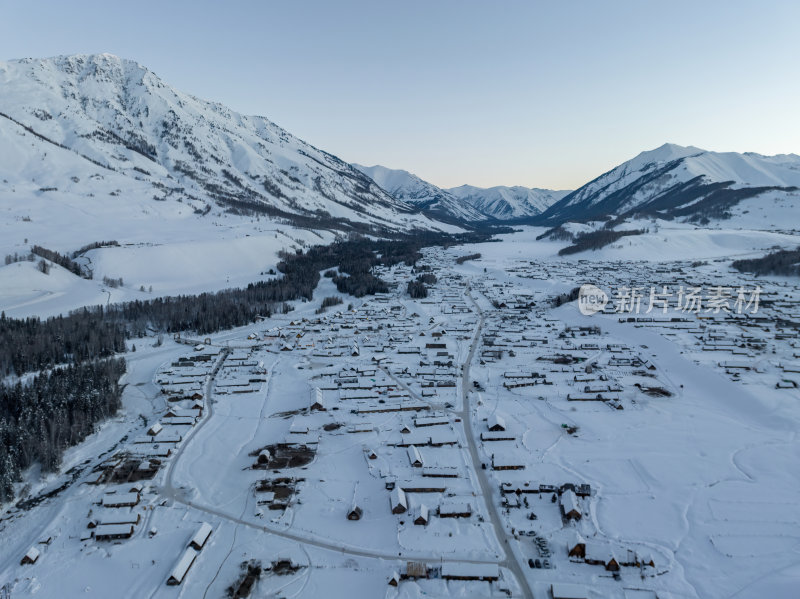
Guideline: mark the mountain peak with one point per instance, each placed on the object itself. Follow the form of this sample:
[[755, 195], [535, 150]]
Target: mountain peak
[[115, 114], [666, 153], [680, 181]]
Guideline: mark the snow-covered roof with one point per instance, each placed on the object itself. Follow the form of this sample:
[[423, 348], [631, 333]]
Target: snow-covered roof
[[182, 566], [563, 590]]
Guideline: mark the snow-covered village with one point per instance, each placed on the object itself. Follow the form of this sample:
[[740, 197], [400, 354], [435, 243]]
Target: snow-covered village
[[233, 365]]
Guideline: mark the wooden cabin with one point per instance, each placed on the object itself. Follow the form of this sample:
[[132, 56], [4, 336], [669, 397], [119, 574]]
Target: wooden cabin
[[31, 557], [423, 516], [112, 532], [570, 509], [182, 566], [398, 501], [201, 536]]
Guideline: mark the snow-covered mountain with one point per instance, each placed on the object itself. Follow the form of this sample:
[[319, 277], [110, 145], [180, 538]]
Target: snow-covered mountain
[[467, 203], [675, 181], [77, 125], [425, 196], [507, 203]]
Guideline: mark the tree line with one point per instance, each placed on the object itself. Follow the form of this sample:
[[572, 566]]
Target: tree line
[[32, 344], [462, 259], [594, 240], [60, 259], [782, 262]]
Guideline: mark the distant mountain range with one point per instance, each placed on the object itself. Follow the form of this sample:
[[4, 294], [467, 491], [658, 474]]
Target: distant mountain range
[[76, 130], [465, 203], [670, 182], [508, 203], [424, 196]]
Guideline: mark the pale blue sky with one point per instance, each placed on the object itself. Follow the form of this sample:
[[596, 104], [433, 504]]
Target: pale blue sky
[[546, 94]]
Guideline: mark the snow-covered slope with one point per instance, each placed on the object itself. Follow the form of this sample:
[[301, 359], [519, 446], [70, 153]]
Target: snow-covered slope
[[71, 121], [425, 196], [466, 203], [506, 203], [676, 181]]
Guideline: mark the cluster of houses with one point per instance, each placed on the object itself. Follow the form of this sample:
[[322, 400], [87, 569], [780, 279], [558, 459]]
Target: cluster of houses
[[387, 375], [118, 512], [734, 334], [527, 356]]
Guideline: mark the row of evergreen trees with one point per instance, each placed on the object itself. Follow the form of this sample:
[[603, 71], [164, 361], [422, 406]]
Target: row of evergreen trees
[[594, 240], [60, 259], [781, 262], [31, 344]]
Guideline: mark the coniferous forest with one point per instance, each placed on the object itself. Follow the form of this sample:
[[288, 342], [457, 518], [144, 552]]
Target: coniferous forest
[[55, 410], [781, 262]]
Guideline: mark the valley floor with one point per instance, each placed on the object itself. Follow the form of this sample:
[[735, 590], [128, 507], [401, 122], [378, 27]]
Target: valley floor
[[477, 442]]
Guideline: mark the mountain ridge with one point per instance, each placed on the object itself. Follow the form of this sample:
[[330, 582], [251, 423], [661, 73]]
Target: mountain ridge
[[121, 116], [674, 181], [466, 203]]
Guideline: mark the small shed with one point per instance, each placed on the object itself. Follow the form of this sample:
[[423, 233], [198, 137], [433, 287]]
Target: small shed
[[398, 501], [645, 559], [414, 456], [496, 423], [416, 570], [576, 546], [182, 567], [423, 516], [355, 513], [31, 557], [201, 536], [570, 508], [155, 429], [317, 401]]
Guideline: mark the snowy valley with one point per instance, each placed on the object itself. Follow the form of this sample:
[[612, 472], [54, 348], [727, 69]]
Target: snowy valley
[[412, 400]]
